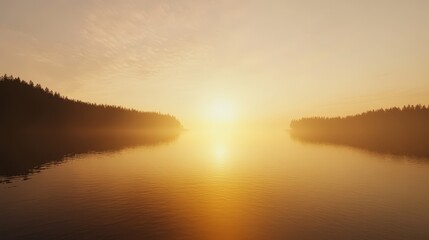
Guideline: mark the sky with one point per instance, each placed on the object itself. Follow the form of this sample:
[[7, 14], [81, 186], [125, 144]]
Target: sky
[[264, 61]]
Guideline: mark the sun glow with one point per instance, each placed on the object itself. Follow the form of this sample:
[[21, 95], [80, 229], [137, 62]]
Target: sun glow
[[222, 112]]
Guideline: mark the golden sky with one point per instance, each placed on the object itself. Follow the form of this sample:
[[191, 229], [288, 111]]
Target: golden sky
[[264, 60]]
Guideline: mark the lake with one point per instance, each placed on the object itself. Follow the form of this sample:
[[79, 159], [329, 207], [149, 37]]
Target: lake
[[220, 185]]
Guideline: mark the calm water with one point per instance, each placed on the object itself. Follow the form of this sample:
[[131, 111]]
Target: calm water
[[221, 186]]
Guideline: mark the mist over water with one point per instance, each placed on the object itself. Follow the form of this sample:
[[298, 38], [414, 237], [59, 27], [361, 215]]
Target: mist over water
[[315, 120], [221, 185]]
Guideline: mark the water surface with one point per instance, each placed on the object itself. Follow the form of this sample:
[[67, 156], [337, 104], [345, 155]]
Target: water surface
[[251, 185]]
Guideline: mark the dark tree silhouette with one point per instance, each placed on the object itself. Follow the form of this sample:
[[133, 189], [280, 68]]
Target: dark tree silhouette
[[38, 126], [27, 108], [402, 131]]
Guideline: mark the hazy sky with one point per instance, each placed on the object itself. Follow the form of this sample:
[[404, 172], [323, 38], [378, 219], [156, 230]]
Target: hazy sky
[[270, 60]]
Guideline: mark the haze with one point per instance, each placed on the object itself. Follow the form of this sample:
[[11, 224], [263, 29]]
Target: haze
[[265, 61]]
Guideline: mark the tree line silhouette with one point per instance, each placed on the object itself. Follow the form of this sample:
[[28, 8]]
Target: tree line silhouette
[[39, 127], [402, 131], [26, 106]]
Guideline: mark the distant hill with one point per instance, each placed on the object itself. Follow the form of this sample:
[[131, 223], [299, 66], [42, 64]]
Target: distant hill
[[27, 107], [403, 131]]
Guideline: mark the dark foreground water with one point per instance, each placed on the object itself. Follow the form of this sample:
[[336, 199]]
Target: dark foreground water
[[220, 186]]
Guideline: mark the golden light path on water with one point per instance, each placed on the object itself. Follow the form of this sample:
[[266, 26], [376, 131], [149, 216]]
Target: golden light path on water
[[221, 183]]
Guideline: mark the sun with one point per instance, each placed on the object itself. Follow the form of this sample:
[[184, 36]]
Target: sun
[[222, 112]]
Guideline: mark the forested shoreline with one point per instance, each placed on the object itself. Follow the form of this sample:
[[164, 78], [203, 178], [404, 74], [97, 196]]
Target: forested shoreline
[[39, 127], [27, 107], [403, 131]]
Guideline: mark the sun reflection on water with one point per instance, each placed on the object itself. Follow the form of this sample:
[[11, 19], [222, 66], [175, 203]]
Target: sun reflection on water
[[219, 147], [220, 153]]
